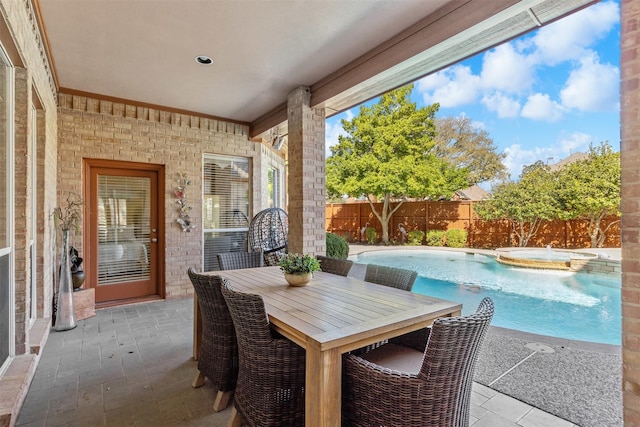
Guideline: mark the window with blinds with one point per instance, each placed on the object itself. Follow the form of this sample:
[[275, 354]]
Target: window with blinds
[[274, 187], [124, 223], [225, 206]]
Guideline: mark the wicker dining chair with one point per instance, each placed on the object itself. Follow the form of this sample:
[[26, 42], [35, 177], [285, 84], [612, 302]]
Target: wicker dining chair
[[334, 265], [218, 357], [271, 377], [236, 260], [428, 385], [400, 278]]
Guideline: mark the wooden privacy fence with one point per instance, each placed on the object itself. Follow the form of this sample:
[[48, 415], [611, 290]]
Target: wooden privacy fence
[[347, 220]]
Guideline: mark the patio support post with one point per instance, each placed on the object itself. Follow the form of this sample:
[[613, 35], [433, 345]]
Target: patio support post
[[630, 207], [306, 174]]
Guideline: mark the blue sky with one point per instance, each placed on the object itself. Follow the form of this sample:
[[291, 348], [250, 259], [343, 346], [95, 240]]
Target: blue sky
[[542, 96]]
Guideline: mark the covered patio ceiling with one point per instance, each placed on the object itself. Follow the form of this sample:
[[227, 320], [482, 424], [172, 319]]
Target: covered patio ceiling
[[346, 51]]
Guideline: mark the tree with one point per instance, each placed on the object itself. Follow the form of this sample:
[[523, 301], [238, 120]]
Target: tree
[[525, 203], [590, 189], [387, 155], [463, 145]]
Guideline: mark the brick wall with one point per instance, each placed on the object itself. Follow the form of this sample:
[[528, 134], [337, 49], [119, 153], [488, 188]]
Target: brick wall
[[22, 221], [32, 75], [91, 128], [630, 161]]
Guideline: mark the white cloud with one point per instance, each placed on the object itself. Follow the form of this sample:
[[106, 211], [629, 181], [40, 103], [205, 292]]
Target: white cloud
[[349, 115], [509, 71], [592, 86], [333, 129], [433, 81], [540, 107], [452, 87], [506, 70], [478, 125], [574, 142], [503, 70], [502, 105], [569, 38], [517, 157]]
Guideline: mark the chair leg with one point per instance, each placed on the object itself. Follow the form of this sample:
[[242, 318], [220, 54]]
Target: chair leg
[[198, 381], [222, 400], [235, 419]]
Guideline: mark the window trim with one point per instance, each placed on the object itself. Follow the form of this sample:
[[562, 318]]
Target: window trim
[[208, 158], [9, 250]]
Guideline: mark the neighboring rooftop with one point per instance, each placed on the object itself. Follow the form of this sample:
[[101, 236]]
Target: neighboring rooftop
[[575, 157], [473, 193]]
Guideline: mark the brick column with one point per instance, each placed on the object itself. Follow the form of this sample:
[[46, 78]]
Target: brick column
[[306, 180], [630, 225]]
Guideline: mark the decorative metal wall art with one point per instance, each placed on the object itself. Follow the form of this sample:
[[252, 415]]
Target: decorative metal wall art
[[183, 209]]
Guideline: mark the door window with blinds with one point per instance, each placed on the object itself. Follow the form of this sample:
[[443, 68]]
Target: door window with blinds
[[225, 206], [123, 229]]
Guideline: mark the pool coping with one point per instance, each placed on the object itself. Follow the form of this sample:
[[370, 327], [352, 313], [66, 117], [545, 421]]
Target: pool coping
[[614, 254]]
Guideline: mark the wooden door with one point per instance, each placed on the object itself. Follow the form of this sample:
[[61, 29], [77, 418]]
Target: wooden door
[[125, 236]]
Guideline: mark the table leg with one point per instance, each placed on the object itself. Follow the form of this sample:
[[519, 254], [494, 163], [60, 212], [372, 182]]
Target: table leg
[[323, 387], [197, 328]]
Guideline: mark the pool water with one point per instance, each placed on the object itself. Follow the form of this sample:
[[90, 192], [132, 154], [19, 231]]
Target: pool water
[[562, 304]]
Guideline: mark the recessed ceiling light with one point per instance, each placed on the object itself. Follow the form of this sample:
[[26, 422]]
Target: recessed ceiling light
[[204, 60]]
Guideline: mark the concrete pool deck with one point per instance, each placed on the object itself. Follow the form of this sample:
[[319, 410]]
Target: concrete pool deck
[[578, 381]]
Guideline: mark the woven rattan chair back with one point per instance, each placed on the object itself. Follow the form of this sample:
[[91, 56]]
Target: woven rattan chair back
[[335, 265], [236, 260], [270, 389], [438, 395], [218, 358], [450, 359], [400, 278]]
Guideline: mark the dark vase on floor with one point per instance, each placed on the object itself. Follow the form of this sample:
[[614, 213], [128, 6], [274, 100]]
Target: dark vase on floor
[[77, 274], [77, 277]]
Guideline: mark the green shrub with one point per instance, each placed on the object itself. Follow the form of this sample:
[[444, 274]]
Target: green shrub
[[337, 247], [456, 238], [434, 237], [372, 235], [414, 237]]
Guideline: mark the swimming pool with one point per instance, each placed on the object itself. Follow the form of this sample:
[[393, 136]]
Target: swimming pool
[[563, 304]]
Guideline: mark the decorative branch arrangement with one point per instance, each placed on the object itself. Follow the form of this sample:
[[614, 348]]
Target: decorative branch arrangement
[[66, 217], [183, 210]]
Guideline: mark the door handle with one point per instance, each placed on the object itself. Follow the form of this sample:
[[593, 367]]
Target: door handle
[[154, 240]]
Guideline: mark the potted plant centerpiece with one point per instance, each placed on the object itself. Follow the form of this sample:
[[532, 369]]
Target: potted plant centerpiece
[[298, 269]]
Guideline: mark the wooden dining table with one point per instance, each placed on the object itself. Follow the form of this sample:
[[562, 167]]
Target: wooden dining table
[[328, 317]]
